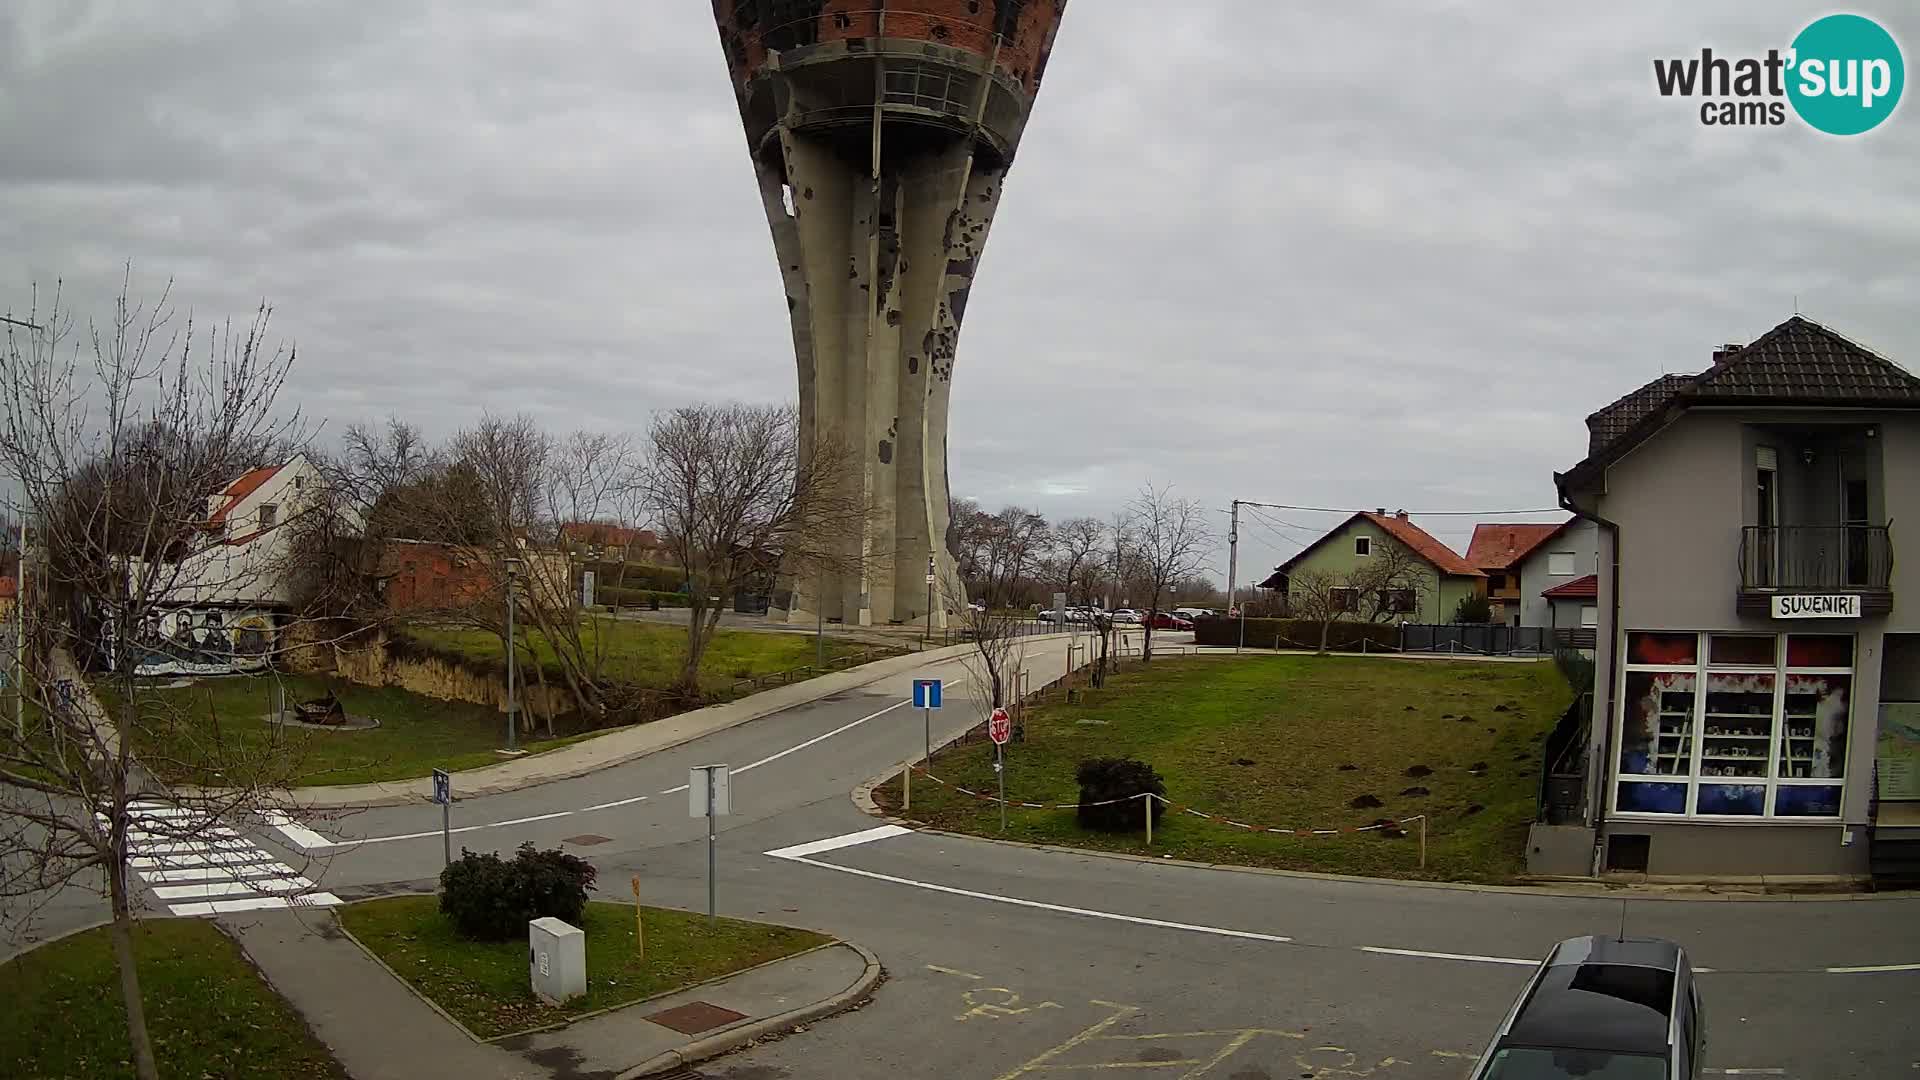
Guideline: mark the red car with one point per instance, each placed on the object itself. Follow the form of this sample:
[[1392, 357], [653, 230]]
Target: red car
[[1166, 620]]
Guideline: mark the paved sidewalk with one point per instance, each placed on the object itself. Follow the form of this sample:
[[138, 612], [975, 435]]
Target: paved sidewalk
[[379, 1030], [374, 1025], [619, 747]]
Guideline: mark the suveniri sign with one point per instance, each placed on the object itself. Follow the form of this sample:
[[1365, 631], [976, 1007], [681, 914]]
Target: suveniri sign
[[1816, 607]]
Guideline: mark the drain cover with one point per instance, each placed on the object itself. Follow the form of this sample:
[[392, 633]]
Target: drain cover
[[696, 1017], [586, 839]]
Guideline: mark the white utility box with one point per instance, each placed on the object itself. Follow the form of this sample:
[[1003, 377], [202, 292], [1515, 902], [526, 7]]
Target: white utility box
[[556, 960]]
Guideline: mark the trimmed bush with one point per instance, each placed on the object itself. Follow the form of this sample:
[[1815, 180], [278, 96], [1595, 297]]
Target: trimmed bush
[[1344, 635], [1105, 779], [637, 576], [638, 598], [491, 899]]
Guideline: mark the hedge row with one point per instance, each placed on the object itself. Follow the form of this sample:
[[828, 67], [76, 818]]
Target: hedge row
[[637, 597], [607, 575], [1343, 634]]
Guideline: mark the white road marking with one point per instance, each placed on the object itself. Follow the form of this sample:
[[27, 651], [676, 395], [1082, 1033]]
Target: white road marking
[[200, 858], [1016, 901], [1451, 956], [1871, 967], [175, 849], [828, 735], [298, 834], [207, 890], [255, 903], [1747, 1072], [614, 803], [675, 790], [835, 843], [215, 873]]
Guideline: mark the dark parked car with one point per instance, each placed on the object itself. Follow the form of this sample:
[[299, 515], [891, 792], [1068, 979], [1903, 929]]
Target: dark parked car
[[1602, 1008], [1166, 620]]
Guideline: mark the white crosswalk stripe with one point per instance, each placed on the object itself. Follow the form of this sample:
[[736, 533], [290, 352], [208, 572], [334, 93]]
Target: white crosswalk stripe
[[204, 869]]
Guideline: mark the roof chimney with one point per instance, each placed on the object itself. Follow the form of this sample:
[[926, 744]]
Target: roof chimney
[[1401, 514], [1725, 352], [1381, 510]]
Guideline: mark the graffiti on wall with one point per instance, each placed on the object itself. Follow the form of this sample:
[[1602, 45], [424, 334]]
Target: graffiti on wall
[[204, 641]]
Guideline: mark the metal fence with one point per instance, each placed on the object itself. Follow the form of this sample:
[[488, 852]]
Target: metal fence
[[1484, 639]]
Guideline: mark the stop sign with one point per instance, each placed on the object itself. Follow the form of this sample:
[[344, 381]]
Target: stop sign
[[999, 728]]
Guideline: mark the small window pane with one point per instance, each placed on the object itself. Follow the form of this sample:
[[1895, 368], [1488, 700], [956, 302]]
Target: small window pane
[[1662, 648], [1814, 745], [1819, 650], [1560, 564], [1363, 545], [1655, 798], [1656, 737], [1807, 801], [1746, 650], [1745, 800], [1739, 725]]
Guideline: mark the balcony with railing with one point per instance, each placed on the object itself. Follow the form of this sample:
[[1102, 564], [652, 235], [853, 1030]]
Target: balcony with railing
[[1780, 560]]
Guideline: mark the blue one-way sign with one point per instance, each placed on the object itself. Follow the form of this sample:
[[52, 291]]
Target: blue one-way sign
[[926, 693]]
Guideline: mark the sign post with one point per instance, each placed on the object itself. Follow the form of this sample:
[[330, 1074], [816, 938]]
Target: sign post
[[443, 794], [926, 698], [639, 926], [1000, 729], [709, 795]]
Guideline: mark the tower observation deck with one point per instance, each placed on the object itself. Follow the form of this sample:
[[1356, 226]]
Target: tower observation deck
[[881, 134]]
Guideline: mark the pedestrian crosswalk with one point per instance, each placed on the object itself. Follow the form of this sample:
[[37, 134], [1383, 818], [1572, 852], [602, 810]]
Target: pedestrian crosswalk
[[197, 867]]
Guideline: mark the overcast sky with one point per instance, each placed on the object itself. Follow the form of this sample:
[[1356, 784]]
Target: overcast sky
[[1348, 255]]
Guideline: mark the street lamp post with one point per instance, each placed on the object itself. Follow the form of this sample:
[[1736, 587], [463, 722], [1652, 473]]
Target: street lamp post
[[513, 707]]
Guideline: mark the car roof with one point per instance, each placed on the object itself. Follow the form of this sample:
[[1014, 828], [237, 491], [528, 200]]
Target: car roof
[[1602, 994]]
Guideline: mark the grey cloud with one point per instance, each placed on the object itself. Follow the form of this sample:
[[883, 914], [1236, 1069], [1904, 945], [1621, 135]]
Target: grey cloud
[[1363, 254]]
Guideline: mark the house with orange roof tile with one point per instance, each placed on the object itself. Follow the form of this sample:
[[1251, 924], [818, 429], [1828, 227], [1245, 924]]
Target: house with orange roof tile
[[1433, 580]]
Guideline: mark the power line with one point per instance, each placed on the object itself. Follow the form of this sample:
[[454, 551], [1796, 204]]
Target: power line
[[1409, 513]]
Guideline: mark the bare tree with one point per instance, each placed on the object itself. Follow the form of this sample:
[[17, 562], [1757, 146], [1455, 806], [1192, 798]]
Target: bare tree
[[1321, 598], [1393, 582], [738, 499], [116, 439], [1077, 544], [1172, 541]]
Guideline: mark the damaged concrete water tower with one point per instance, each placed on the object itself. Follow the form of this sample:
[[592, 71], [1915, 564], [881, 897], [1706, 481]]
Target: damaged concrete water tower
[[881, 134]]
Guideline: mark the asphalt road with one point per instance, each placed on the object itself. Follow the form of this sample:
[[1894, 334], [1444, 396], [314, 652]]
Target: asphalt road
[[1009, 961]]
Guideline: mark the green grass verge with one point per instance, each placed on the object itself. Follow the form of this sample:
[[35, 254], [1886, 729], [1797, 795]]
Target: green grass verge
[[1263, 741], [220, 723], [484, 984], [649, 654], [209, 1014]]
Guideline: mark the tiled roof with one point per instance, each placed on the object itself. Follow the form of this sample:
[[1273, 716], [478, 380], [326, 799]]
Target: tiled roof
[[1585, 588], [1418, 540], [1618, 418], [248, 483], [1499, 545], [1802, 361], [1799, 362], [1424, 544]]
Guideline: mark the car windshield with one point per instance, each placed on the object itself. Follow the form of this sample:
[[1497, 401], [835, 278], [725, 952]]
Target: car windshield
[[1539, 1063]]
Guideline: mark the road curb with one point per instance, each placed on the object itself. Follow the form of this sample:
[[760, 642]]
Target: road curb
[[473, 783], [733, 1038], [862, 797]]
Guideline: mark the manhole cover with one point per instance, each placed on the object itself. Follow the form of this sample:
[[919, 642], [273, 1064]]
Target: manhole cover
[[586, 839], [695, 1017]]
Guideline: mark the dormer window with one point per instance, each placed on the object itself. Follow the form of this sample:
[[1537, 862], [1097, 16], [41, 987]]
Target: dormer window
[[269, 513]]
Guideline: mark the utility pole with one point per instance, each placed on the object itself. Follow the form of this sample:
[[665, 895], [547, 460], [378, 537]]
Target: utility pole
[[513, 709], [20, 636], [1233, 567]]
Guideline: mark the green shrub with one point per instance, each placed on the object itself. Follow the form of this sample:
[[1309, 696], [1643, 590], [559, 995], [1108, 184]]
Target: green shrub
[[637, 576], [638, 598], [1344, 635], [1103, 780], [1473, 608], [490, 899]]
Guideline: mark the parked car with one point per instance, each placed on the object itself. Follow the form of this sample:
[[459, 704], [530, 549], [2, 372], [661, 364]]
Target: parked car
[[1126, 615], [1167, 620], [1193, 612], [1602, 1008]]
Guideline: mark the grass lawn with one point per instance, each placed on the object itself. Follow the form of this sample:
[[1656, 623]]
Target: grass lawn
[[484, 984], [649, 653], [416, 733], [208, 1013], [1268, 741]]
